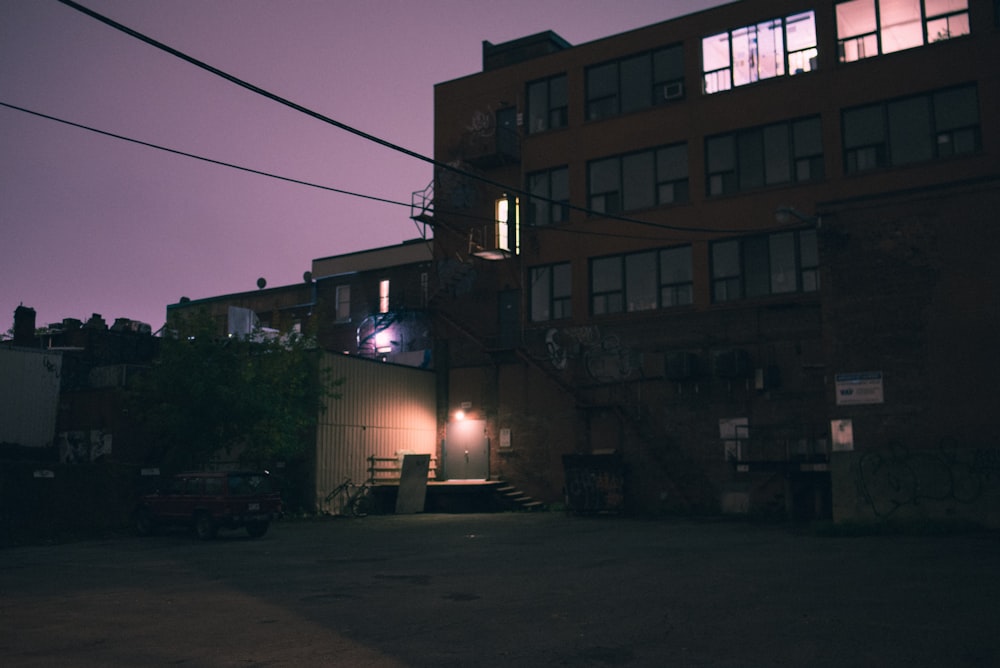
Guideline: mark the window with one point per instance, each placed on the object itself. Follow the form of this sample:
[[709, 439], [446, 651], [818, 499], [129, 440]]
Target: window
[[549, 190], [641, 281], [551, 288], [911, 130], [676, 285], [343, 303], [547, 104], [636, 82], [508, 224], [753, 53], [780, 263], [383, 296], [758, 157], [638, 180], [867, 28]]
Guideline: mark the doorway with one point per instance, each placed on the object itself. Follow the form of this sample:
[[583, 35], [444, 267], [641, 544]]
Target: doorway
[[466, 451]]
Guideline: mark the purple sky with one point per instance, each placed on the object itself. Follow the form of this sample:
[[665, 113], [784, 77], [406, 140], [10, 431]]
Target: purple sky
[[91, 224]]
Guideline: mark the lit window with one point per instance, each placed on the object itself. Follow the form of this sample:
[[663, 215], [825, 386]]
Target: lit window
[[757, 52], [383, 296], [867, 28], [508, 230]]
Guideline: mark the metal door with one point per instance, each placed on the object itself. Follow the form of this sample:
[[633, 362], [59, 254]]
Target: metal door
[[466, 451]]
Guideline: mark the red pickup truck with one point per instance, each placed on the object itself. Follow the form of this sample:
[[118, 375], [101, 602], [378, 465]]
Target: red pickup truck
[[209, 501]]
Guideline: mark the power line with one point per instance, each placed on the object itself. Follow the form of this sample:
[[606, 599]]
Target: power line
[[199, 157], [364, 135]]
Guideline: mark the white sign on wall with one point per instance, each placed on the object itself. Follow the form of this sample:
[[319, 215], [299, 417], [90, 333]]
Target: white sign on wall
[[859, 388], [842, 432]]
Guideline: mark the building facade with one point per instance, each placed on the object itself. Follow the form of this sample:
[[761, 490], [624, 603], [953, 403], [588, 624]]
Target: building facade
[[371, 303], [746, 253]]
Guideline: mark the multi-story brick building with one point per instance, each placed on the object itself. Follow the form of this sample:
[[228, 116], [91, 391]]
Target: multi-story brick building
[[748, 251]]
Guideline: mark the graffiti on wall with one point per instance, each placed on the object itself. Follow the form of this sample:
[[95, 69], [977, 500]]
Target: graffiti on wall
[[603, 356], [482, 124], [896, 478]]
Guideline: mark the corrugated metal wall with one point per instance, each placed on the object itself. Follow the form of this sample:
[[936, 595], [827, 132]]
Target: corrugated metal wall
[[384, 411], [29, 396]]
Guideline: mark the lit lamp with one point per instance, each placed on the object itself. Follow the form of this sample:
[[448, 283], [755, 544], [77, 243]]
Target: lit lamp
[[463, 411]]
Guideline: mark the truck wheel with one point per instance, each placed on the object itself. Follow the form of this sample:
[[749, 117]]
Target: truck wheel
[[256, 529], [204, 527]]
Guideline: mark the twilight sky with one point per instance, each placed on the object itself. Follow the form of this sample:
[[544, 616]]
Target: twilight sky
[[92, 224]]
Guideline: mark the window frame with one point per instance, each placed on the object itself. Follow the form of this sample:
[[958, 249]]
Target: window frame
[[752, 275], [556, 207], [342, 299], [609, 100], [660, 180], [855, 46], [616, 293], [860, 157], [727, 71], [556, 115], [558, 305], [730, 160]]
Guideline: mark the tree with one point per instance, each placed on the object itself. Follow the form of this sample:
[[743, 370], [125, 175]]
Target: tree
[[255, 398]]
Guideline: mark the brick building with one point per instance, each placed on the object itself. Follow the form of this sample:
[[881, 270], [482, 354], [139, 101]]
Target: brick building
[[745, 255], [370, 303]]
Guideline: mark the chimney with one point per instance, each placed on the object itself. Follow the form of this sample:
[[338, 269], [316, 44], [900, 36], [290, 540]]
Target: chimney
[[24, 326]]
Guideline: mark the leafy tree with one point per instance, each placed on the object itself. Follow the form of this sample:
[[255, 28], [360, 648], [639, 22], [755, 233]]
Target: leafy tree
[[255, 398]]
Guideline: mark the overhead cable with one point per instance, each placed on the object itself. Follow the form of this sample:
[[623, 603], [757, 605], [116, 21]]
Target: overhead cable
[[199, 157], [369, 137]]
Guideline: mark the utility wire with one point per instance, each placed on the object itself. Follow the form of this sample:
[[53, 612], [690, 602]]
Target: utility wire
[[199, 157], [288, 179], [364, 135]]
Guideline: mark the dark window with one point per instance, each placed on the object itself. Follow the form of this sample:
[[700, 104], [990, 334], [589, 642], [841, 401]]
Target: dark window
[[551, 292], [867, 28], [607, 287], [641, 281], [911, 130], [549, 203], [634, 83], [638, 180], [758, 157], [784, 262], [676, 286], [547, 104]]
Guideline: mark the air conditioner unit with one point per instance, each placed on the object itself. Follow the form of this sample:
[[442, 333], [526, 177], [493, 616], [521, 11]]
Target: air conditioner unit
[[673, 91]]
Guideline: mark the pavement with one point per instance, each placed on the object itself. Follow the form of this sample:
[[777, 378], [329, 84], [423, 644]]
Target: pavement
[[515, 589]]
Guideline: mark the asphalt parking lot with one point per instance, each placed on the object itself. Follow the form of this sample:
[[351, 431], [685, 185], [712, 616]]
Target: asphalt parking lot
[[504, 590]]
